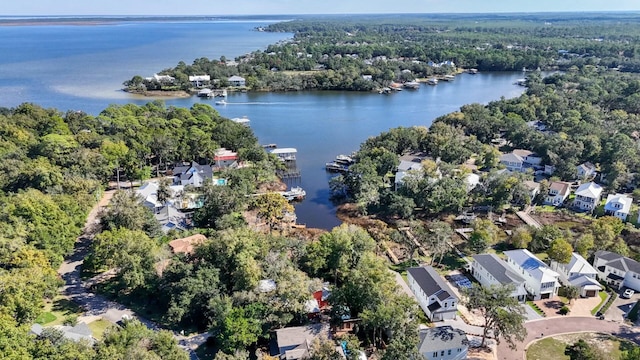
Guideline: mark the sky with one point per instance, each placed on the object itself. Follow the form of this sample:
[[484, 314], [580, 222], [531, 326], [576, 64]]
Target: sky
[[276, 7]]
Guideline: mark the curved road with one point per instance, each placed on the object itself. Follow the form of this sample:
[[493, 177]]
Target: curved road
[[537, 329]]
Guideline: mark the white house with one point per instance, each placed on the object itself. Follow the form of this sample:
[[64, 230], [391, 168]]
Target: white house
[[587, 196], [528, 157], [199, 80], [578, 272], [617, 270], [490, 270], [512, 161], [435, 297], [520, 160], [236, 80], [618, 205], [443, 343], [533, 187], [541, 281], [471, 181], [558, 192], [585, 171]]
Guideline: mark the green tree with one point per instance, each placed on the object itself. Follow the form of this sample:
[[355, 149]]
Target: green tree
[[114, 153], [126, 211], [272, 208], [239, 330], [582, 350], [503, 314], [560, 251], [521, 237]]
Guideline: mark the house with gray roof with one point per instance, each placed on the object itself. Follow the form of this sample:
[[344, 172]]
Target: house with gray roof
[[80, 331], [192, 174], [293, 343], [443, 343], [585, 171], [434, 296], [579, 273], [490, 270], [617, 270]]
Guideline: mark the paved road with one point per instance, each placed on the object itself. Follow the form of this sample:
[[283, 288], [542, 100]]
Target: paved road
[[562, 325], [95, 305]]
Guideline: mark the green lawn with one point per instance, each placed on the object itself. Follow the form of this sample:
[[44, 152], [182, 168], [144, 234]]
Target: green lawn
[[535, 308], [98, 327], [553, 348], [56, 311], [603, 298]]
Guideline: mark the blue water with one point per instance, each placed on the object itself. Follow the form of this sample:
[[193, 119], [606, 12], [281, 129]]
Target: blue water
[[82, 67]]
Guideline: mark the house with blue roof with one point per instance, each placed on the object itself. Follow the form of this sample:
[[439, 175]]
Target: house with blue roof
[[540, 281]]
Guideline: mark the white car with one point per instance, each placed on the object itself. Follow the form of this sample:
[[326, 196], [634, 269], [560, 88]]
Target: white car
[[627, 294]]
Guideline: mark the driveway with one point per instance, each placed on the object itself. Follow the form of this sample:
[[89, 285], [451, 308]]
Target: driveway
[[563, 325], [530, 313], [620, 307]]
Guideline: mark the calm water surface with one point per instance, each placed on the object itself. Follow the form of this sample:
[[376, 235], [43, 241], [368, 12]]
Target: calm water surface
[[82, 67]]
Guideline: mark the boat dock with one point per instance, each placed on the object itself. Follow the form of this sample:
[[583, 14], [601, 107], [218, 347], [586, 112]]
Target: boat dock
[[285, 154], [211, 93], [296, 193], [335, 167]]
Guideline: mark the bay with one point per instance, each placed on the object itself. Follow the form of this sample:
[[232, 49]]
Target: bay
[[82, 68]]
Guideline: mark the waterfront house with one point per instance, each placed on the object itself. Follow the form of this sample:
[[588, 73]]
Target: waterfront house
[[585, 171], [533, 187], [192, 174], [199, 80], [490, 270], [587, 196], [433, 294], [618, 205], [236, 80], [162, 79], [617, 270], [540, 281], [558, 192], [579, 273], [407, 168], [443, 343], [225, 158]]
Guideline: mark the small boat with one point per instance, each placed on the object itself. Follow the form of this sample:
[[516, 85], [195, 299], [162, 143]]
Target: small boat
[[449, 78], [336, 167], [472, 71], [432, 81], [243, 120], [411, 85], [521, 82], [221, 102], [270, 146], [385, 90], [344, 159], [296, 193]]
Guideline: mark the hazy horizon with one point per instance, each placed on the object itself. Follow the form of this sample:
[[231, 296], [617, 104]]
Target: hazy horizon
[[303, 7]]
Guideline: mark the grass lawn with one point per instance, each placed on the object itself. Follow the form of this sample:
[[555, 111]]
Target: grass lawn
[[603, 298], [56, 311], [98, 327], [553, 348], [535, 308]]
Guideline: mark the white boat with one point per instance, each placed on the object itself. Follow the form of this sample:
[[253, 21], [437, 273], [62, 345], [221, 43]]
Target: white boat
[[432, 81], [449, 78], [412, 85], [344, 159], [243, 120], [296, 193], [336, 167], [221, 102]]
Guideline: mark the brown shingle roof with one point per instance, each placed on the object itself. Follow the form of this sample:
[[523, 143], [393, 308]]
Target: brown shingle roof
[[186, 245]]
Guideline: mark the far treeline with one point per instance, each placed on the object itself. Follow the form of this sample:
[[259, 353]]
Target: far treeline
[[334, 53]]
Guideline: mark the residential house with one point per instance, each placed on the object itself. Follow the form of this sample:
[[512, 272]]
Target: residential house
[[236, 80], [579, 273], [558, 192], [148, 192], [587, 196], [293, 343], [490, 270], [471, 181], [225, 158], [199, 80], [533, 187], [520, 160], [433, 294], [407, 168], [192, 174], [187, 245], [171, 218], [541, 281], [80, 331], [443, 343], [585, 171], [162, 79], [617, 270], [618, 205]]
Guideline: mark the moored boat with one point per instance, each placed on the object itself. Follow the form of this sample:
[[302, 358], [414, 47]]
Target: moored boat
[[448, 78], [336, 167], [412, 85], [432, 81], [296, 193], [344, 159]]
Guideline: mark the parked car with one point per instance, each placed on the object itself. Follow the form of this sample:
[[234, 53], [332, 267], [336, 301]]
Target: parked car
[[627, 294]]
